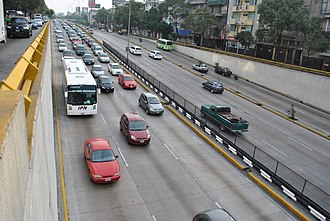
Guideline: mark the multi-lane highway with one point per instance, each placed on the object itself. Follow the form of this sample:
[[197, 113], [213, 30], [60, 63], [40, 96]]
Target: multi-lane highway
[[174, 177], [301, 150]]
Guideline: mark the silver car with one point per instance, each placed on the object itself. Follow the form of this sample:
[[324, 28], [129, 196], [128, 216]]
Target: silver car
[[151, 104]]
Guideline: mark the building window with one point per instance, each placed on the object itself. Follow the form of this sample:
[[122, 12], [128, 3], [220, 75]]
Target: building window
[[327, 25], [325, 7]]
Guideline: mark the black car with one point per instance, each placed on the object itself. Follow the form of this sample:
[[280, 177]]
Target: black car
[[19, 26], [88, 59], [213, 86], [105, 83], [223, 71]]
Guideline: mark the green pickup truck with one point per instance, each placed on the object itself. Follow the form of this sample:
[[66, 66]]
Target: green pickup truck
[[222, 116]]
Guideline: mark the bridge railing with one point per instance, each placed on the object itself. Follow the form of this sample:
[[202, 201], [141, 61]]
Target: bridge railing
[[24, 73]]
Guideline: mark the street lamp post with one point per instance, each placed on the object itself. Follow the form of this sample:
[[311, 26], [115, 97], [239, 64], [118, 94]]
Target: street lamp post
[[129, 28]]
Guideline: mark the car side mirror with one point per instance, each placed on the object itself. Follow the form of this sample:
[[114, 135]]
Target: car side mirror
[[87, 158], [147, 127], [117, 157]]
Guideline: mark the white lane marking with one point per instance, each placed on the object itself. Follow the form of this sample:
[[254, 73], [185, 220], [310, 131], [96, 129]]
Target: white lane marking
[[122, 156], [217, 204], [121, 93], [275, 148], [104, 119], [154, 218], [297, 141], [171, 151]]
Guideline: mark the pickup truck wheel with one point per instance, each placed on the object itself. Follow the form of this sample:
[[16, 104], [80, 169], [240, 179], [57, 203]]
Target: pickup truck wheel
[[202, 114]]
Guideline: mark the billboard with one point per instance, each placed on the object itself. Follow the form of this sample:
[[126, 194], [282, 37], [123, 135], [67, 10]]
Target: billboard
[[91, 4]]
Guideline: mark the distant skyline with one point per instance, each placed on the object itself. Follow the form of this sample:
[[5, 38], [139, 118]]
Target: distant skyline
[[70, 5]]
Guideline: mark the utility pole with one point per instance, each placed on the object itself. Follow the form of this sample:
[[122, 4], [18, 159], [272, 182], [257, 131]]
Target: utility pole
[[129, 27]]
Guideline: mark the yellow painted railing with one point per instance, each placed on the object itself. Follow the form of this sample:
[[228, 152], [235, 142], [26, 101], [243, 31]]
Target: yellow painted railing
[[24, 73]]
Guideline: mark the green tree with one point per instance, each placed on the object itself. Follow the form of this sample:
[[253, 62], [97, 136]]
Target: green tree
[[137, 13], [174, 10], [101, 16], [245, 38], [151, 20], [311, 37], [165, 29], [278, 16], [200, 21]]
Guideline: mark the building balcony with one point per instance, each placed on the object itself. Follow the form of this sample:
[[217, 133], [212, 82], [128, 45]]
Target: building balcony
[[244, 8], [241, 22], [217, 2]]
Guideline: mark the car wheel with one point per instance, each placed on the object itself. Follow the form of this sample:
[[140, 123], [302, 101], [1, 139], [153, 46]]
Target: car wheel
[[139, 103], [127, 137], [147, 111], [202, 114], [121, 129]]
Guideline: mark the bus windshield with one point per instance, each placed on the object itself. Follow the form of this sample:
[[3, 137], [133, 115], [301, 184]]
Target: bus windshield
[[82, 95]]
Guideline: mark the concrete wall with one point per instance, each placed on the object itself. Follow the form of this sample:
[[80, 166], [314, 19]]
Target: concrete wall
[[28, 189], [14, 160], [41, 200], [309, 88]]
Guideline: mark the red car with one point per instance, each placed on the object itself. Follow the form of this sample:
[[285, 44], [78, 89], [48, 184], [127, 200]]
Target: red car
[[127, 81], [134, 128], [101, 161]]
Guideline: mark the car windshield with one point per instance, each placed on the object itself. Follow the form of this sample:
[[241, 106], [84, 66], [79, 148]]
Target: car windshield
[[88, 56], [67, 53], [62, 45], [97, 48], [128, 78], [19, 20], [115, 66], [137, 125], [98, 69], [106, 80], [104, 55], [103, 156], [153, 100]]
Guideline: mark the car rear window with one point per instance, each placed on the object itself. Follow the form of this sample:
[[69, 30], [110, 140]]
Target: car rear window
[[19, 20]]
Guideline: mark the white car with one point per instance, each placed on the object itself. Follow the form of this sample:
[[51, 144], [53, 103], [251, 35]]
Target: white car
[[103, 57], [97, 50], [62, 47], [135, 50], [155, 54], [115, 69], [39, 22]]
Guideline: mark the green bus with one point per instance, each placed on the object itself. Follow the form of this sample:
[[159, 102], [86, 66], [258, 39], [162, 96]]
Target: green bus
[[165, 44]]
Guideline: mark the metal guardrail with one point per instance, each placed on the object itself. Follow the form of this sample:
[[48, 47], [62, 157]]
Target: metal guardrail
[[24, 73], [292, 184]]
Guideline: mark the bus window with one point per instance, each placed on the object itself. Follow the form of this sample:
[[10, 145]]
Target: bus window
[[165, 44]]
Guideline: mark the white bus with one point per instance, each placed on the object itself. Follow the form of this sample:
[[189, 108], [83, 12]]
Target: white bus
[[80, 90]]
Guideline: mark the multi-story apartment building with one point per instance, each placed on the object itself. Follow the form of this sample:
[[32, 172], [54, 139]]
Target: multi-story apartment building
[[242, 17]]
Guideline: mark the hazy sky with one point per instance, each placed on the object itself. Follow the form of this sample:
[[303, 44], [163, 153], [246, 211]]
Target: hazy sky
[[70, 5]]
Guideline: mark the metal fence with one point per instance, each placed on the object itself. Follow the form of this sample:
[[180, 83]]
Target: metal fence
[[291, 183]]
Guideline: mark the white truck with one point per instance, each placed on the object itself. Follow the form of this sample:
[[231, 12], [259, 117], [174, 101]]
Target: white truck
[[2, 24]]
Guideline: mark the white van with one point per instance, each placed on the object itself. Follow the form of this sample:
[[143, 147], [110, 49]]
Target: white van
[[135, 50]]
